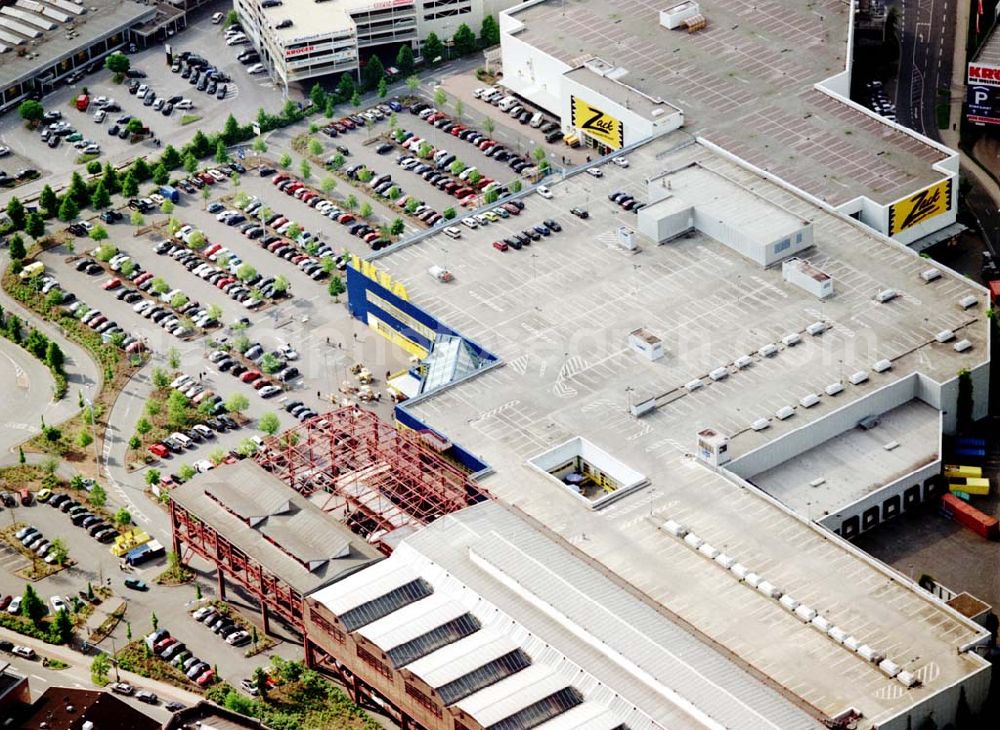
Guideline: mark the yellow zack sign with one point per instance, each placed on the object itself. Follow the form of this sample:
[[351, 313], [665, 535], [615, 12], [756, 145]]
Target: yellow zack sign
[[381, 277], [919, 207], [596, 123]]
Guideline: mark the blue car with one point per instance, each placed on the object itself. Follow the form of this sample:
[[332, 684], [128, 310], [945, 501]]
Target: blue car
[[395, 105]]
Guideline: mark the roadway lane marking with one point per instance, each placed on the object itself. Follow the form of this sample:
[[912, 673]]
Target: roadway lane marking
[[133, 508]]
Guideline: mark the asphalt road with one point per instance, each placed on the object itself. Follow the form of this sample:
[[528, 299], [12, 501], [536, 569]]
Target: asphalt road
[[927, 37]]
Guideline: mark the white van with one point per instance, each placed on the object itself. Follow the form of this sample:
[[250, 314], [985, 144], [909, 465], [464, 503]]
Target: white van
[[181, 438], [491, 95], [440, 273], [506, 103], [454, 232], [536, 121]]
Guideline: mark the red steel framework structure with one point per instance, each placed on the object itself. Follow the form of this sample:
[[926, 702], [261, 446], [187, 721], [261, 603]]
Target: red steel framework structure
[[371, 476], [374, 477]]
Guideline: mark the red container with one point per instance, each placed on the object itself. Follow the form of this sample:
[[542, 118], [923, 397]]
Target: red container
[[994, 287], [968, 516]]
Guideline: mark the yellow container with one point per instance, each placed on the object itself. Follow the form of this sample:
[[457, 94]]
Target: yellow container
[[128, 540], [971, 485], [961, 472]]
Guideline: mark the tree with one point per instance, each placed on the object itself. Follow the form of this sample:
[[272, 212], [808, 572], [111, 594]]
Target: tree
[[221, 155], [58, 551], [61, 628], [214, 311], [140, 168], [99, 233], [336, 287], [190, 163], [280, 284], [35, 225], [305, 170], [49, 202], [31, 605], [68, 209], [315, 147], [130, 185], [159, 286], [489, 32], [171, 158], [425, 149], [269, 363], [167, 207], [136, 219], [346, 87], [17, 251], [259, 674], [15, 211], [84, 439], [186, 472], [101, 198], [356, 100], [464, 40], [318, 96], [217, 456], [383, 88], [475, 176], [404, 59], [259, 146], [177, 409], [178, 300], [123, 518], [245, 272], [515, 186], [154, 621], [196, 240], [237, 403], [54, 357], [366, 210], [285, 161], [100, 667], [143, 427], [134, 442], [232, 18], [328, 185], [459, 108], [161, 175], [98, 497], [351, 202], [433, 49], [440, 97], [201, 145], [337, 161], [412, 83], [538, 154], [206, 193], [93, 167], [269, 423], [117, 63], [397, 227], [328, 110], [448, 213], [456, 167], [31, 111], [231, 130]]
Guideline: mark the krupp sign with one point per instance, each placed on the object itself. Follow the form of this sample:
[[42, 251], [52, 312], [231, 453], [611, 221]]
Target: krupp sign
[[980, 73]]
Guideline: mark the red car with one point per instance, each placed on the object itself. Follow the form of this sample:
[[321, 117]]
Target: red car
[[346, 218], [163, 644], [262, 382], [207, 179], [112, 284], [280, 177], [159, 450], [250, 375], [347, 123], [211, 249], [457, 129], [205, 678], [500, 246], [512, 209]]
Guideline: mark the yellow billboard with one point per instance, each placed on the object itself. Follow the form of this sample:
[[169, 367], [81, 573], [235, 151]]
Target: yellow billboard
[[919, 207], [601, 126]]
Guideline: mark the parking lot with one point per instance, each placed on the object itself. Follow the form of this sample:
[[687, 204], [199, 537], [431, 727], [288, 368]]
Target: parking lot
[[245, 94]]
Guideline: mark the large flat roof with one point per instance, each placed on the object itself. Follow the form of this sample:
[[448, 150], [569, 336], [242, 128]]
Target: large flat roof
[[576, 625], [99, 19], [278, 527], [559, 313], [746, 83], [856, 462]]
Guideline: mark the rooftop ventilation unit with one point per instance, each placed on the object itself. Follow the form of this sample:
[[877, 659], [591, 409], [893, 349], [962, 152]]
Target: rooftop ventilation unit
[[726, 561], [760, 424], [784, 413], [886, 295], [872, 655], [769, 590], [788, 602], [791, 340], [678, 15], [833, 388], [930, 275], [907, 679], [858, 378], [944, 336], [693, 385], [675, 528], [837, 634], [968, 301], [807, 277], [743, 361], [752, 579], [739, 570], [851, 643], [817, 482], [891, 446], [693, 540], [963, 345], [882, 365], [719, 374], [889, 669], [820, 624], [816, 328], [808, 401], [708, 551], [868, 423], [768, 350], [804, 613]]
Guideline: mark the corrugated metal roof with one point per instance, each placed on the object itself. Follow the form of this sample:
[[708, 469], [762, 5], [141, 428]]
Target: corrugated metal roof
[[411, 621], [364, 586], [498, 701], [455, 660], [588, 716]]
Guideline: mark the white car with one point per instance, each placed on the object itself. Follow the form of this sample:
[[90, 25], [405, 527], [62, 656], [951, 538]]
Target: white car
[[237, 40], [595, 172], [4, 150], [100, 115], [59, 604], [141, 91], [92, 149], [288, 352], [217, 18], [203, 466], [15, 606], [544, 191], [184, 104], [257, 68], [620, 161], [201, 613], [26, 651]]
